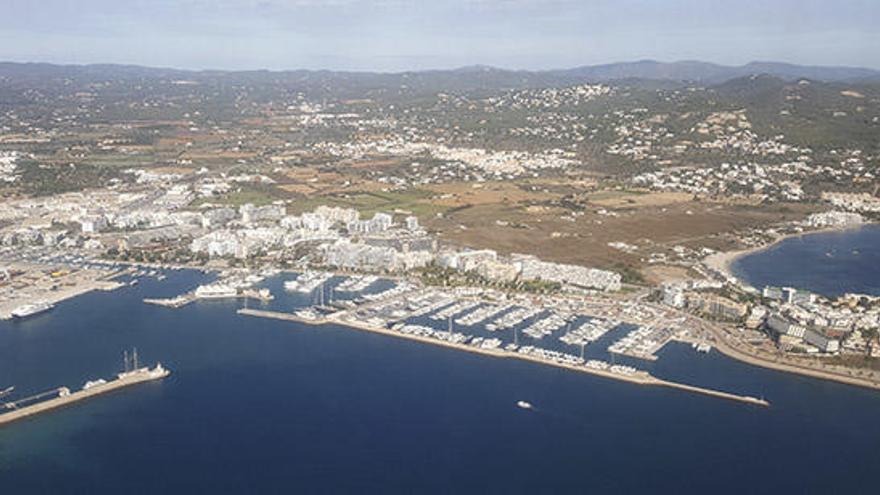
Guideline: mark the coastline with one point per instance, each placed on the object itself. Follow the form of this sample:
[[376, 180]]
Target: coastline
[[723, 261], [732, 352], [87, 281]]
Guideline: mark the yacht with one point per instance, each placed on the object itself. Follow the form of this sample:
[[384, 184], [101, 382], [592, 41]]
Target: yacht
[[215, 291], [524, 405]]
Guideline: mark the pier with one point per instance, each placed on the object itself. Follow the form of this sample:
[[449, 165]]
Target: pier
[[641, 377], [190, 297], [66, 398]]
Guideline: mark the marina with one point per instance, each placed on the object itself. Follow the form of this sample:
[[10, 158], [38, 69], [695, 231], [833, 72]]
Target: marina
[[463, 342], [307, 282], [643, 342], [357, 283], [588, 331]]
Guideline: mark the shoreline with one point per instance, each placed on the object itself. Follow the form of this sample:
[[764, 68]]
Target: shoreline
[[732, 352], [723, 261], [95, 282]]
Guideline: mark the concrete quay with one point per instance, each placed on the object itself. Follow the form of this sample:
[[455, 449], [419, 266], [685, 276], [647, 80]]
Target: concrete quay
[[66, 398]]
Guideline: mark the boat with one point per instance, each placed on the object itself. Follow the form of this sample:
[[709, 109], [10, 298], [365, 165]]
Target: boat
[[94, 383], [215, 291], [151, 373], [307, 314], [31, 309], [4, 393], [524, 405]]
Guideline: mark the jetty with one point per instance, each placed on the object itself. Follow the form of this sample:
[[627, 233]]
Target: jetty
[[637, 377], [37, 404], [262, 295]]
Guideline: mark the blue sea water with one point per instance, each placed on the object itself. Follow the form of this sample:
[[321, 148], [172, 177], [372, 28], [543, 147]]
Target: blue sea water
[[827, 263], [265, 406]]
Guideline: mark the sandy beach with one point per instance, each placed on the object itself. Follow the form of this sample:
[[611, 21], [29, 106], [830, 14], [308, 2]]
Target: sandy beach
[[722, 262]]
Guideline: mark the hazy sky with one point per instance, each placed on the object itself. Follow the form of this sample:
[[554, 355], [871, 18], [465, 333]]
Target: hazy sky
[[420, 34]]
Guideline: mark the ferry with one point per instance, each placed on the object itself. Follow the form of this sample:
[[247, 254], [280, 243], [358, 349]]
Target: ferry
[[31, 309], [524, 405]]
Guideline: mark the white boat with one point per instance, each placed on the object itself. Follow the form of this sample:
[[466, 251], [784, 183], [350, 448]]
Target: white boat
[[524, 405], [31, 309], [154, 373], [215, 291], [94, 383]]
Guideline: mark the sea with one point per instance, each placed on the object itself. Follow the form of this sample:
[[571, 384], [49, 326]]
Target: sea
[[265, 406], [827, 263]]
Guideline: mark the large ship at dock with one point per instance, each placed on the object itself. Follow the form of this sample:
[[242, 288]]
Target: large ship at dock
[[26, 310]]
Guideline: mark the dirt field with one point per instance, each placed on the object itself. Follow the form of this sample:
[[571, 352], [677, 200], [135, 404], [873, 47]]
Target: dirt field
[[487, 193], [540, 217], [584, 239]]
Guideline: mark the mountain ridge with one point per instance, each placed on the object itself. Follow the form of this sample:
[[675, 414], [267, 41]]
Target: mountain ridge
[[680, 71]]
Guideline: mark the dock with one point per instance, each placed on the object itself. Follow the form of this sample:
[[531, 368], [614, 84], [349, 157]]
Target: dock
[[190, 297], [713, 393], [277, 315], [640, 378], [66, 398]]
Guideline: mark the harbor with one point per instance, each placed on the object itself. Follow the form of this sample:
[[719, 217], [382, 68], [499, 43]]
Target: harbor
[[231, 369]]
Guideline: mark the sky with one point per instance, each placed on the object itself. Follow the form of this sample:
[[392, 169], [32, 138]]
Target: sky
[[397, 35]]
